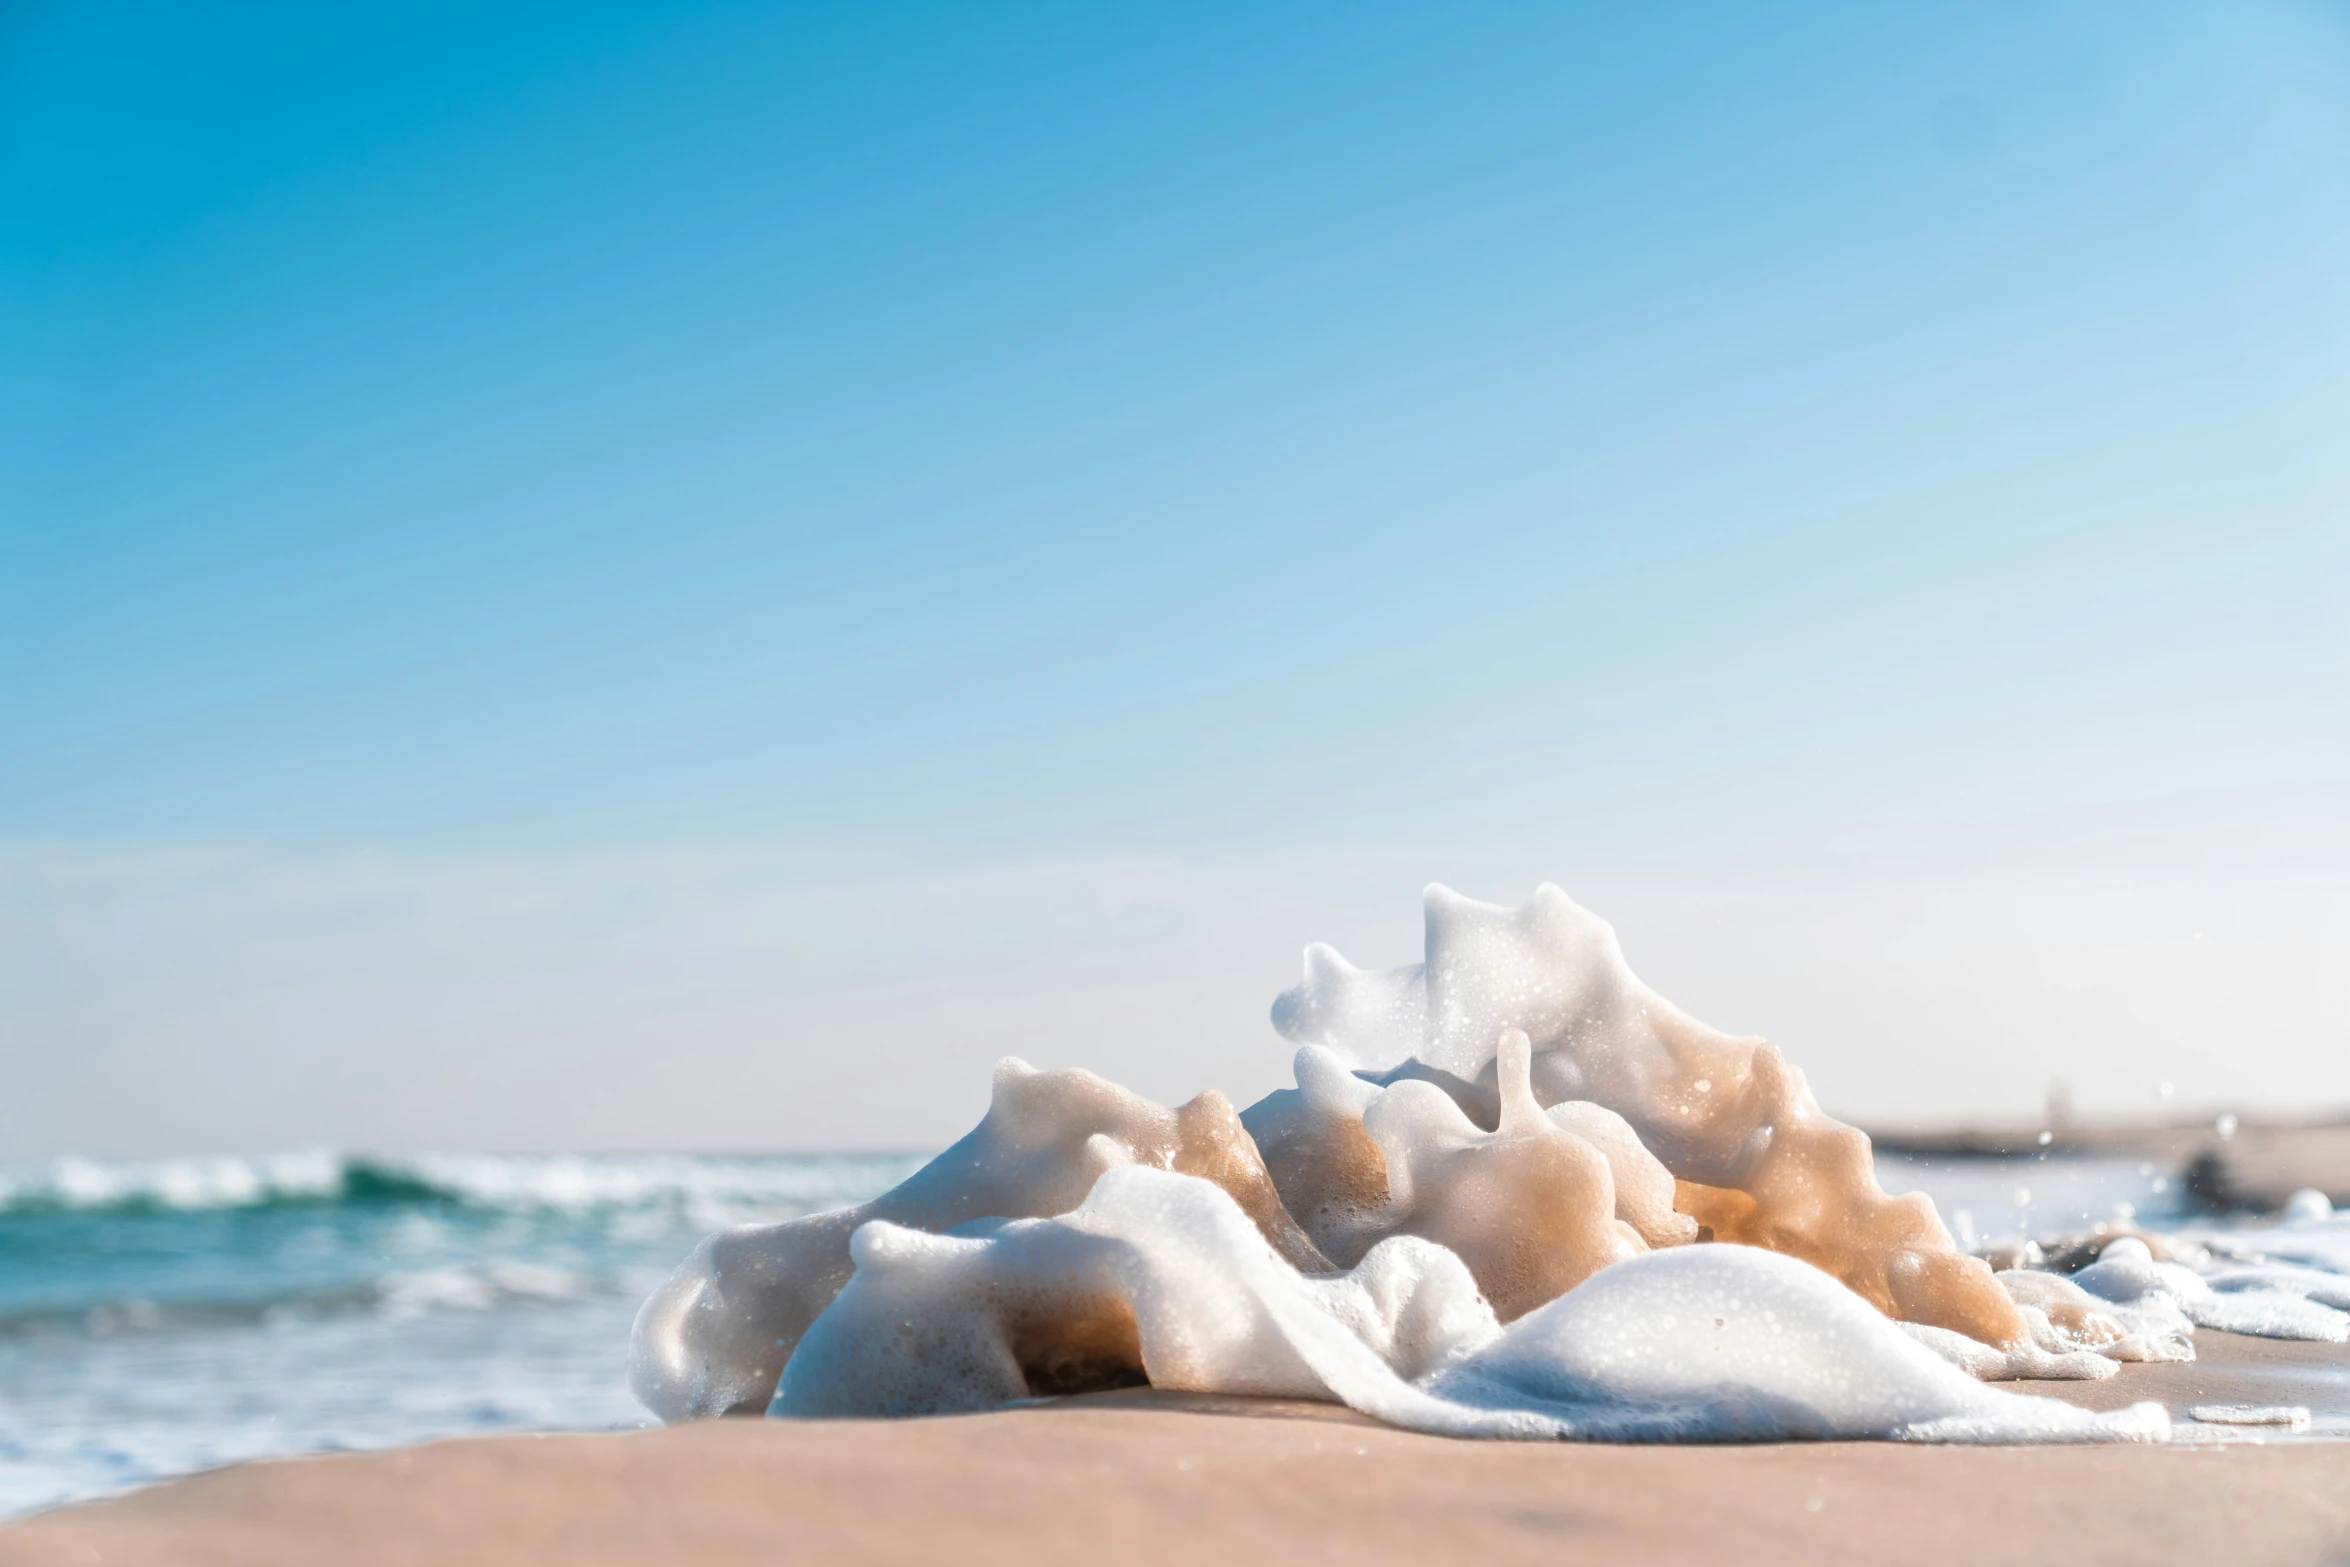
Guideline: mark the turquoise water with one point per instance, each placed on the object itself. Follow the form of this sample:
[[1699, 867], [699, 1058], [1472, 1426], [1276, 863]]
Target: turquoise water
[[164, 1317]]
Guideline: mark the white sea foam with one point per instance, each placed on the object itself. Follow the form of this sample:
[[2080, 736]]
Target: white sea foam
[[2321, 1245], [2262, 1303], [710, 1190], [1753, 1156], [478, 1289], [2292, 1417], [1733, 1343], [1475, 1214], [181, 1184], [2307, 1206], [1697, 1344]]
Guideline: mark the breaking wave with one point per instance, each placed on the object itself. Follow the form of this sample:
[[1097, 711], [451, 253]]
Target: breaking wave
[[513, 1183], [106, 1248]]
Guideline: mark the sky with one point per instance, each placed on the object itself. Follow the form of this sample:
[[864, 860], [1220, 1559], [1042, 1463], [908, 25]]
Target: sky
[[604, 575]]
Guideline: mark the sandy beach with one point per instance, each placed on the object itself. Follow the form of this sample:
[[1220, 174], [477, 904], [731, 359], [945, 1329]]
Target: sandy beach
[[1146, 1478]]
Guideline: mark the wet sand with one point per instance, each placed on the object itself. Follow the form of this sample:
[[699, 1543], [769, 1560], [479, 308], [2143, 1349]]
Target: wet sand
[[1146, 1478], [2227, 1369]]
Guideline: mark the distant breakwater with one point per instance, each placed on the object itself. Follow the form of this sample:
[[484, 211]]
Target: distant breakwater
[[2225, 1161]]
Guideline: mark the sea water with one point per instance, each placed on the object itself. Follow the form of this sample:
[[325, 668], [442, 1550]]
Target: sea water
[[163, 1317]]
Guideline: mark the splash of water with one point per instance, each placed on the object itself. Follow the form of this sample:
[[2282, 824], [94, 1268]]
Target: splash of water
[[1515, 1148]]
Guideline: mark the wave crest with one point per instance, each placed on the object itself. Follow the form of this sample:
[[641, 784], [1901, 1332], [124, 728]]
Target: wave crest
[[499, 1182]]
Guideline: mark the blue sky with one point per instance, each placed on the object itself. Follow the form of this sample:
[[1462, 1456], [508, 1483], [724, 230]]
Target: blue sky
[[1648, 438]]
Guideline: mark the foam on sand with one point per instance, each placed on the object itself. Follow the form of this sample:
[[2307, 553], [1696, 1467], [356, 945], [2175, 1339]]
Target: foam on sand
[[714, 1338], [1159, 1277], [1478, 1213], [2257, 1302]]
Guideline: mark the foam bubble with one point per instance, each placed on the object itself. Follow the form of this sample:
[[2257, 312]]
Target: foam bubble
[[2307, 1206]]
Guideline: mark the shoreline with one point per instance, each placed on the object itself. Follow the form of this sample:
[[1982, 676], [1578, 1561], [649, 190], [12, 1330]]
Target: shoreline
[[2252, 1166], [1147, 1477]]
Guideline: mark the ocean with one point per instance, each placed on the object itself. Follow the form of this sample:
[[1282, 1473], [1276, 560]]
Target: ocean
[[163, 1317]]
